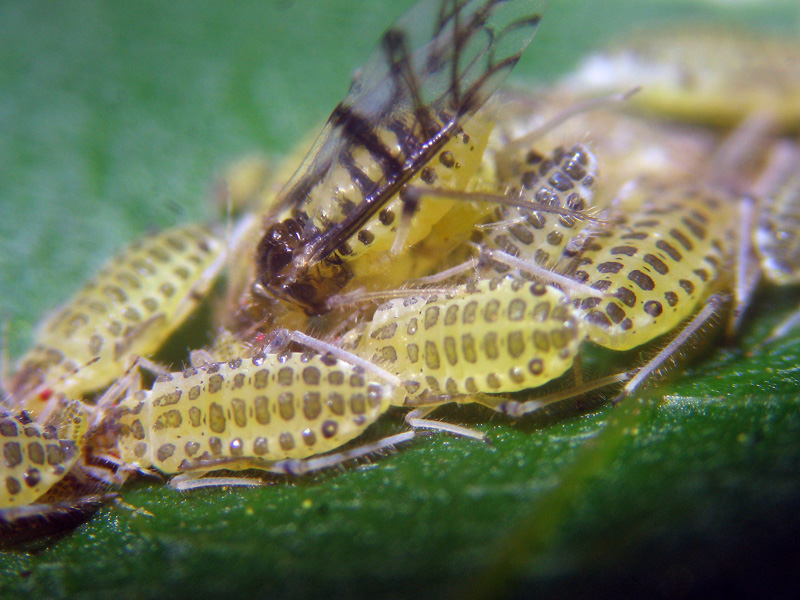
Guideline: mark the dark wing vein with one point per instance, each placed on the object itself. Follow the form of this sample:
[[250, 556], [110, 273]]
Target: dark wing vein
[[429, 74]]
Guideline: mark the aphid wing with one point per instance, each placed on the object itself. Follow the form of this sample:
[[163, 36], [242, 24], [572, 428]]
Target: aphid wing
[[432, 70]]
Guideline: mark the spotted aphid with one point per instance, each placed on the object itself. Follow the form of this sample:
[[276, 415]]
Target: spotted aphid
[[248, 414], [657, 265], [563, 180], [494, 336], [35, 458], [128, 310], [402, 125]]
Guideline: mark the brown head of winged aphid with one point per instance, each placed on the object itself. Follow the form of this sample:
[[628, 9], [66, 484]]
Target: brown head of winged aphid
[[359, 189]]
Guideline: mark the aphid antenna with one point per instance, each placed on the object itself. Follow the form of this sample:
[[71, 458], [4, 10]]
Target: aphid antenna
[[602, 102], [136, 510], [712, 307], [360, 296], [468, 266], [513, 200], [326, 348], [301, 467], [542, 273], [416, 420], [503, 224]]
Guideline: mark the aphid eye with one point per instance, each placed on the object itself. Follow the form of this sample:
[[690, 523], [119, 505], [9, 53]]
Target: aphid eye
[[275, 249]]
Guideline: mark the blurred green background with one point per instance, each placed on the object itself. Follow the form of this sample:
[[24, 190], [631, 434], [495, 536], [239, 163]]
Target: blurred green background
[[114, 120]]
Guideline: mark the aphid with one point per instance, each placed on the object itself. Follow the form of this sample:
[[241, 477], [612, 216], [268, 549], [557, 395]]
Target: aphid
[[407, 131], [402, 129], [701, 75], [628, 283], [128, 310], [258, 413], [35, 458], [48, 483], [562, 181], [493, 336]]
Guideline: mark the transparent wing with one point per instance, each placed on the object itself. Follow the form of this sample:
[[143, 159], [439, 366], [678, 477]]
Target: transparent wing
[[432, 70]]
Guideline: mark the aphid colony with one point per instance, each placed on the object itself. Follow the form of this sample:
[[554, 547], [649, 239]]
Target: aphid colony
[[440, 248]]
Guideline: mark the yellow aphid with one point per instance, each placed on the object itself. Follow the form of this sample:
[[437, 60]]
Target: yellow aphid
[[494, 336], [128, 310], [248, 414], [656, 265], [705, 75], [35, 458]]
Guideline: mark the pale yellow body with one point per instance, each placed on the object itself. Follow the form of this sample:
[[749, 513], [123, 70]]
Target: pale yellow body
[[497, 335], [656, 265], [248, 413], [36, 457], [128, 310], [702, 74]]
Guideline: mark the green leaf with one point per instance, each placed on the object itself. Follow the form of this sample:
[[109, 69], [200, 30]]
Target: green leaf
[[115, 118]]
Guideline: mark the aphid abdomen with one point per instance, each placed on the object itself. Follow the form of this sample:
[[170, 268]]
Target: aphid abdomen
[[499, 335], [657, 266], [249, 412], [562, 180], [34, 460], [451, 169], [129, 309]]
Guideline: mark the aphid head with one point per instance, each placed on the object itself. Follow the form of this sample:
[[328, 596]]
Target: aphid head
[[282, 275]]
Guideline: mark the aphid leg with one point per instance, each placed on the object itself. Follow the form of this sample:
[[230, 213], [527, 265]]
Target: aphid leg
[[733, 155], [778, 230], [784, 327], [577, 370], [193, 477], [416, 420], [316, 463], [20, 524], [411, 199], [515, 409], [711, 308], [192, 481], [147, 364], [201, 358], [748, 272]]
